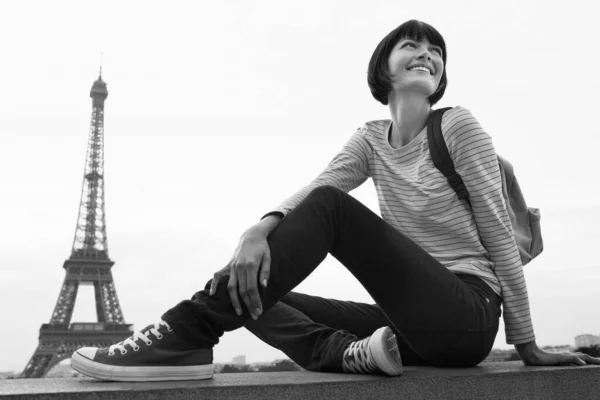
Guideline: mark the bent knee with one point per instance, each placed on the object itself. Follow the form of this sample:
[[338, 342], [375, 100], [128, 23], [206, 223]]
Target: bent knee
[[326, 190], [326, 195]]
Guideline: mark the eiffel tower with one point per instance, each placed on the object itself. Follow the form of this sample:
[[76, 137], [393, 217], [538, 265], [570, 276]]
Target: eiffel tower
[[88, 264]]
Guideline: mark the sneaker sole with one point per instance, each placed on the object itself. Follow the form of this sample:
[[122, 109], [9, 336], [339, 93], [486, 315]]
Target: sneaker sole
[[387, 357], [139, 374]]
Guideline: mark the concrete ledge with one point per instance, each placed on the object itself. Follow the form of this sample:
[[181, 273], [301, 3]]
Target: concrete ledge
[[504, 380]]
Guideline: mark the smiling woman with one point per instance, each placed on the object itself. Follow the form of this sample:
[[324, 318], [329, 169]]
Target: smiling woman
[[396, 47], [438, 267]]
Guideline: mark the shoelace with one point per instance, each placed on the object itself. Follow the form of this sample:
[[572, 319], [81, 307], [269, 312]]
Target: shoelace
[[357, 358], [131, 341]]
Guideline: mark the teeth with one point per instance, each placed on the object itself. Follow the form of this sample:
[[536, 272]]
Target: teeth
[[420, 69]]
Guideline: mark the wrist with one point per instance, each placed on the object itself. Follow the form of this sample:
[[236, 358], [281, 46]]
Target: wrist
[[527, 351], [265, 226]]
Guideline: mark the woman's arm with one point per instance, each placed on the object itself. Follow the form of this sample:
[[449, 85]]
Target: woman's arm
[[348, 170], [251, 262], [475, 160]]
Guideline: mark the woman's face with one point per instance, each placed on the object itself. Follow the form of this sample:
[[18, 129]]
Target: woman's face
[[415, 66]]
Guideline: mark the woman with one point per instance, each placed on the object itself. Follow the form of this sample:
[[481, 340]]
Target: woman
[[437, 267]]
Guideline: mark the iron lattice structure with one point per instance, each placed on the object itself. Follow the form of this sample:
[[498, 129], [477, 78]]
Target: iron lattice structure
[[88, 264]]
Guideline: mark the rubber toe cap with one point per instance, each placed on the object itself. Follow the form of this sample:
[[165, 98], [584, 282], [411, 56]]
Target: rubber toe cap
[[88, 352]]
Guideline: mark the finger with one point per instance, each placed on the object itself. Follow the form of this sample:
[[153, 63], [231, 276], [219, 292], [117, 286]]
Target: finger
[[243, 288], [576, 360], [589, 359], [566, 359], [265, 270], [595, 360], [217, 277], [232, 287], [560, 359], [213, 284], [255, 306]]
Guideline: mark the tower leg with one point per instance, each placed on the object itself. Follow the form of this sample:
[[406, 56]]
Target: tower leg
[[65, 303], [58, 342], [38, 366]]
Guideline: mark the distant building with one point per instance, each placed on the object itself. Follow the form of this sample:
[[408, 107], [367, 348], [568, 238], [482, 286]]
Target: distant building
[[7, 375], [239, 360], [587, 341], [269, 363]]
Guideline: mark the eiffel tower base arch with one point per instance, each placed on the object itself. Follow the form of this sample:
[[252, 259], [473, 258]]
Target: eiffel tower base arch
[[58, 342]]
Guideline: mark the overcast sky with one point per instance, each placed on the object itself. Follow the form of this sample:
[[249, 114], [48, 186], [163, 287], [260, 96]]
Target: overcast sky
[[217, 111]]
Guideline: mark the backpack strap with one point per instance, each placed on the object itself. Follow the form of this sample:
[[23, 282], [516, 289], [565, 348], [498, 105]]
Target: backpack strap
[[440, 155]]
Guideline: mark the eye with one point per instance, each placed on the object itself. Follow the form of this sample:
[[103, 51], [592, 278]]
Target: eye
[[438, 50], [409, 44]]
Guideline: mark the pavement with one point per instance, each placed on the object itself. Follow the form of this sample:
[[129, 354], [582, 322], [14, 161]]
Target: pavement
[[502, 380]]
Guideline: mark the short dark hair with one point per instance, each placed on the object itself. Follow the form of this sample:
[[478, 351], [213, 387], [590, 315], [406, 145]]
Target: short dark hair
[[378, 74]]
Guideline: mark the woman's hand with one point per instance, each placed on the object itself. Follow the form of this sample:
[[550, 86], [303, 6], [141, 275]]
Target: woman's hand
[[251, 263], [531, 354]]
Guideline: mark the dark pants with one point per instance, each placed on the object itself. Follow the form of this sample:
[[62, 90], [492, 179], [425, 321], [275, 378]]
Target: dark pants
[[441, 318]]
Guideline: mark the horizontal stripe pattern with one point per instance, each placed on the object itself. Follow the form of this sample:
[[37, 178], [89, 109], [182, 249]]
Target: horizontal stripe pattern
[[415, 198]]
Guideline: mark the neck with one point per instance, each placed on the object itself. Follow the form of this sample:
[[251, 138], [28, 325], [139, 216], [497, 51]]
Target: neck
[[409, 116]]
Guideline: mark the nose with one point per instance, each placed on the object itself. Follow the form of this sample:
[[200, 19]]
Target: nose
[[424, 54]]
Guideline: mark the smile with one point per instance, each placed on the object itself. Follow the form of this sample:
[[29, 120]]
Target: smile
[[421, 68]]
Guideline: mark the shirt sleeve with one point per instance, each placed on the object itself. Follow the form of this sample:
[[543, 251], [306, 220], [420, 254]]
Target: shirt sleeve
[[348, 170], [476, 162]]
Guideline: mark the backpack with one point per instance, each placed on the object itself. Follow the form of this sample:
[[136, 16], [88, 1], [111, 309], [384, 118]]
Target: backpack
[[525, 220]]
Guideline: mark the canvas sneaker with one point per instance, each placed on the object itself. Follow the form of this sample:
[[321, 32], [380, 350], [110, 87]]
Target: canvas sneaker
[[376, 354], [155, 353]]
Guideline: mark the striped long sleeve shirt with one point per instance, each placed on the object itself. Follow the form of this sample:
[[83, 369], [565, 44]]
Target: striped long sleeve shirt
[[416, 198]]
